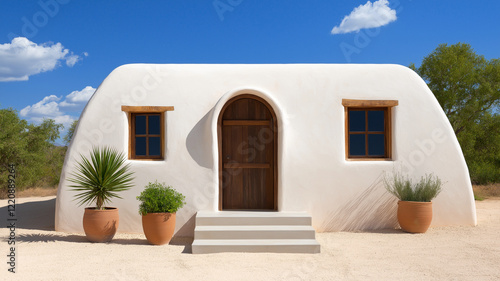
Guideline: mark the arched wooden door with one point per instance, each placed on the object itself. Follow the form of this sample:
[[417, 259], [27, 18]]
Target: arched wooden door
[[247, 134]]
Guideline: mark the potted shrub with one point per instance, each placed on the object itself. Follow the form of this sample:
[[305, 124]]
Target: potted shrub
[[414, 206], [159, 204], [97, 181]]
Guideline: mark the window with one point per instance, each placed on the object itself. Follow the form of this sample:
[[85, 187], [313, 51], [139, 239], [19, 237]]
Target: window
[[368, 129], [146, 131], [146, 135]]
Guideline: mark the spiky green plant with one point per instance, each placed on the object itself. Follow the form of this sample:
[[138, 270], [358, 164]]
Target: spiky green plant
[[160, 198], [404, 189], [99, 179]]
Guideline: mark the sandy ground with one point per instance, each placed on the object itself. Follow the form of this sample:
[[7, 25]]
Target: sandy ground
[[443, 253]]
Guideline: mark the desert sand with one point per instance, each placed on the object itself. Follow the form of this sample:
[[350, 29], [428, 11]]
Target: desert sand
[[443, 253]]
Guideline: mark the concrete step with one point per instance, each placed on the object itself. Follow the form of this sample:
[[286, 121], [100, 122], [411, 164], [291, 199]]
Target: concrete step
[[275, 232], [252, 218], [254, 232], [208, 246]]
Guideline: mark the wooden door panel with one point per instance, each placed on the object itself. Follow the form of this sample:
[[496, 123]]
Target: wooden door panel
[[232, 139], [247, 109], [247, 190], [254, 182], [233, 189], [248, 156], [243, 144]]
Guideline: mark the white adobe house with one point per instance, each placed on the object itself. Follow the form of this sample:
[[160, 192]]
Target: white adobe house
[[289, 146]]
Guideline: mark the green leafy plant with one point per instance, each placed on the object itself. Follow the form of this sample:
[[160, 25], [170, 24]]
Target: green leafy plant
[[99, 179], [426, 189], [160, 198]]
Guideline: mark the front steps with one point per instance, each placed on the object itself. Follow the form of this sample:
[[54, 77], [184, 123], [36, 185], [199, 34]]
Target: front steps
[[274, 232]]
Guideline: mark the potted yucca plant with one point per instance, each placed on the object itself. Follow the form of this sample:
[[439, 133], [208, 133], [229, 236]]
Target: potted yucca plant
[[159, 204], [97, 181], [414, 206]]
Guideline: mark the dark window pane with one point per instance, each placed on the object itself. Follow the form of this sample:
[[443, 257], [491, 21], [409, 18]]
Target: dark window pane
[[140, 124], [154, 146], [376, 145], [154, 124], [140, 146], [357, 145], [357, 121], [376, 121]]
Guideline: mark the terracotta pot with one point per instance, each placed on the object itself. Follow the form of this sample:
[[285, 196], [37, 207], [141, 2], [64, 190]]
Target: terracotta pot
[[158, 227], [100, 225], [414, 217]]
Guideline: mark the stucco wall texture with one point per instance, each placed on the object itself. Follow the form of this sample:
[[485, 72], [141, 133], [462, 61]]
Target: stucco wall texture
[[313, 173]]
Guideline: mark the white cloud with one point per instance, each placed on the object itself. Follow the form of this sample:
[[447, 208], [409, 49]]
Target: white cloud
[[370, 15], [46, 107], [22, 58], [52, 107], [72, 59], [66, 120], [78, 99]]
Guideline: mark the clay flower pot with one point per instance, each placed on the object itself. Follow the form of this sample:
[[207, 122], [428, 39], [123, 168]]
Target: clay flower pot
[[414, 217], [158, 227], [100, 225]]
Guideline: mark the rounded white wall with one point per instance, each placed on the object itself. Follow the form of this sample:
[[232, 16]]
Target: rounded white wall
[[314, 175]]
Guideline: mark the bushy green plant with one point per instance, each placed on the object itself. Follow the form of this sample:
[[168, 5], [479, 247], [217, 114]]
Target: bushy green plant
[[160, 198], [102, 177], [404, 189], [31, 149]]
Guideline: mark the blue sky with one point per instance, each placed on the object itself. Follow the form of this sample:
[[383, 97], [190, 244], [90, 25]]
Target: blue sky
[[65, 48]]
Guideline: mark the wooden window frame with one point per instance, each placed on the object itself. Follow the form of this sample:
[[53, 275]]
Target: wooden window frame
[[134, 135], [133, 111], [367, 105]]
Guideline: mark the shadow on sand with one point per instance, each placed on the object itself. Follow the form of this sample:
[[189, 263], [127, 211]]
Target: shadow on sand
[[38, 215], [55, 237], [74, 238]]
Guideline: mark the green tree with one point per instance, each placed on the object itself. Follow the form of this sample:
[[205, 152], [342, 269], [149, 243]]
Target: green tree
[[13, 138], [31, 148], [482, 149], [467, 86], [71, 131]]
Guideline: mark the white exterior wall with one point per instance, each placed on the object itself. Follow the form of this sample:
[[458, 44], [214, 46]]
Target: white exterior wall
[[314, 175]]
